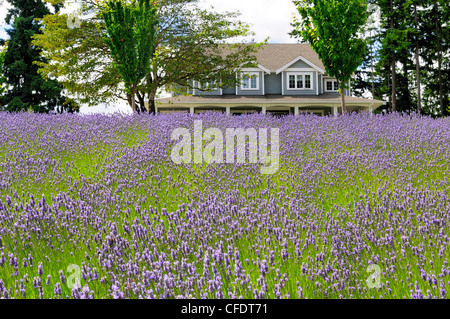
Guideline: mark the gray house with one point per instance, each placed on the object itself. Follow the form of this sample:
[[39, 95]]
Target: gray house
[[289, 79]]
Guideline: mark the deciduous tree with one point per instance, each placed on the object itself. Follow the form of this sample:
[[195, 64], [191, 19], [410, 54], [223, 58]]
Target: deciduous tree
[[131, 38], [188, 46], [331, 28]]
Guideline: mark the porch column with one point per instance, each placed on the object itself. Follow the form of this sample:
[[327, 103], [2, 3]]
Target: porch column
[[296, 110], [228, 110], [264, 109], [335, 111], [191, 110]]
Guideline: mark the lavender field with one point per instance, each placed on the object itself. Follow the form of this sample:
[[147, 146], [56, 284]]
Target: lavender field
[[98, 196]]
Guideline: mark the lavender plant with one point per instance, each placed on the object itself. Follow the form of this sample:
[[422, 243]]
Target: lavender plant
[[93, 207]]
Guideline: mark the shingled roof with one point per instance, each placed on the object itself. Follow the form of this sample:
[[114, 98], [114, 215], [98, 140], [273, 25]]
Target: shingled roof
[[275, 56]]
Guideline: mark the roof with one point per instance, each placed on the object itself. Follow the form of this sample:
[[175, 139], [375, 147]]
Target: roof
[[276, 56], [267, 99]]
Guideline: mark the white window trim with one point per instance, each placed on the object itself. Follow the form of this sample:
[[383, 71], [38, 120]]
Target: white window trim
[[250, 74], [325, 85], [200, 86], [317, 81], [303, 88]]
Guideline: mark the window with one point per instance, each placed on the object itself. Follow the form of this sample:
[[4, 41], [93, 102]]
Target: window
[[331, 86], [210, 85], [250, 81], [299, 81]]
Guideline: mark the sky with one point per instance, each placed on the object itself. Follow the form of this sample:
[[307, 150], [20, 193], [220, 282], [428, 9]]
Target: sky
[[268, 19]]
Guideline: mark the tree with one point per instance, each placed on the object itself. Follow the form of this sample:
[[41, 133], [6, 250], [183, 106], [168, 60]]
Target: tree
[[417, 54], [435, 43], [188, 46], [25, 88], [366, 79], [130, 37], [2, 60], [331, 28], [395, 64]]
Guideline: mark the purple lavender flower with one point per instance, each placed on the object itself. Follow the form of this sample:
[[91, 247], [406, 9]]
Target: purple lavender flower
[[86, 293], [442, 290], [57, 290], [40, 269], [62, 277], [116, 292]]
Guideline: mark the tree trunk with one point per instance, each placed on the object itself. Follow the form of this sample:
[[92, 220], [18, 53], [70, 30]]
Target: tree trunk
[[373, 72], [344, 111], [389, 84], [133, 98], [439, 53], [151, 91], [419, 106], [141, 102], [151, 101], [342, 99], [151, 106], [129, 100], [441, 88], [394, 76]]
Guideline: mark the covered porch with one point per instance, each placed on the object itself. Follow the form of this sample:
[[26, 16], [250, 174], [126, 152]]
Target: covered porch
[[326, 104]]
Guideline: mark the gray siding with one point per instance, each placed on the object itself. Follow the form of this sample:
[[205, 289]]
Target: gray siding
[[229, 91], [180, 89], [320, 84], [300, 64], [213, 92], [300, 92], [273, 83]]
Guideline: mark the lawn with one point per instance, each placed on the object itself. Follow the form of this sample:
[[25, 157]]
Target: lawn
[[98, 198]]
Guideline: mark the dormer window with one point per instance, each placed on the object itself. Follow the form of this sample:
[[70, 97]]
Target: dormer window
[[300, 81], [331, 86], [250, 81]]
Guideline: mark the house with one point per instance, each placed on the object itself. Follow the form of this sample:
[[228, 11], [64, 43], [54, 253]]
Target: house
[[289, 79]]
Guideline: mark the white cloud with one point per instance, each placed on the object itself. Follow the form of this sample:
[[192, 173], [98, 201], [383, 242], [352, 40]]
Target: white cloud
[[4, 7], [268, 18]]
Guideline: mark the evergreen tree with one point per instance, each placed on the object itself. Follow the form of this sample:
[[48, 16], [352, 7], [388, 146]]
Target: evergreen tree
[[331, 28], [25, 88], [366, 80], [435, 54], [2, 59]]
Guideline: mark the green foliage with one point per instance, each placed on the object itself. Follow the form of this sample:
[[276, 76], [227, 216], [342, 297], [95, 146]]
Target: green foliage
[[331, 28], [130, 38], [25, 88], [404, 28], [188, 46]]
